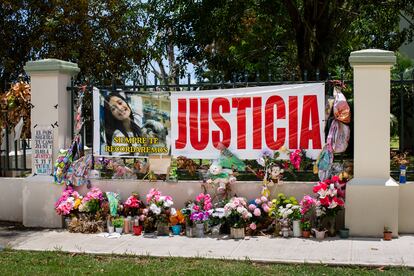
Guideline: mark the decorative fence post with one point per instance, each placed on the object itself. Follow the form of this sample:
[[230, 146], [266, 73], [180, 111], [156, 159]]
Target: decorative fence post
[[51, 131], [372, 196]]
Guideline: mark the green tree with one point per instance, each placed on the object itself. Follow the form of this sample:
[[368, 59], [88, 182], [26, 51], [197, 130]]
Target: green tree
[[297, 35]]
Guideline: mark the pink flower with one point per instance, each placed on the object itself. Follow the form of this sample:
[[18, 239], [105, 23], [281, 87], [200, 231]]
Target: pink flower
[[257, 201], [295, 158], [257, 212], [266, 208], [196, 208], [199, 197], [263, 199], [252, 207], [142, 217], [252, 226], [208, 206], [236, 201]]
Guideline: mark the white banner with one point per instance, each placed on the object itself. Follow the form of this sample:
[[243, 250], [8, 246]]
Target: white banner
[[248, 120]]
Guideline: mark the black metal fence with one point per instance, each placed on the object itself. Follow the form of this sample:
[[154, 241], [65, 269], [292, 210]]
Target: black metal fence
[[16, 155]]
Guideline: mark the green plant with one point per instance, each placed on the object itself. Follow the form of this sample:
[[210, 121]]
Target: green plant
[[306, 225], [118, 222], [296, 215]]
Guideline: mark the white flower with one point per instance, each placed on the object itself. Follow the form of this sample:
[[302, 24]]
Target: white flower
[[155, 209], [288, 205], [240, 210], [173, 212], [168, 203], [261, 161]]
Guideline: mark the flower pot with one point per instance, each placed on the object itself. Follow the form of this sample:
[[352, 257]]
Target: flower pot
[[118, 230], [215, 230], [296, 228], [387, 236], [189, 231], [237, 233], [137, 229], [199, 230], [68, 220], [331, 224], [344, 233], [111, 229], [176, 229], [163, 229], [306, 234], [319, 235], [126, 226]]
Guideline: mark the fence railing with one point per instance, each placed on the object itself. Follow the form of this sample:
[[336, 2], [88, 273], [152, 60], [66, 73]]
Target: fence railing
[[16, 155]]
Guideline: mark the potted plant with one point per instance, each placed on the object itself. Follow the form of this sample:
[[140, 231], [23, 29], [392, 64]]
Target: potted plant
[[118, 223], [296, 217], [109, 225], [160, 207], [329, 200], [306, 229], [344, 233], [387, 233], [176, 221], [216, 220], [260, 209], [237, 215], [278, 210]]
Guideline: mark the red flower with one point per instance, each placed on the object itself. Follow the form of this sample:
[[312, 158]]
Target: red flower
[[338, 201], [325, 201], [335, 178], [320, 186]]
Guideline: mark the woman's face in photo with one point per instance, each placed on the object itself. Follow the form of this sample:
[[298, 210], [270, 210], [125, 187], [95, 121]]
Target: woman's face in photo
[[119, 108]]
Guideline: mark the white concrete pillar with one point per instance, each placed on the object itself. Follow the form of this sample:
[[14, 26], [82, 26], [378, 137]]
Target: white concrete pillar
[[372, 196], [51, 106]]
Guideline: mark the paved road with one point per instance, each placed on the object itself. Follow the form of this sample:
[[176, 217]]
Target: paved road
[[334, 251]]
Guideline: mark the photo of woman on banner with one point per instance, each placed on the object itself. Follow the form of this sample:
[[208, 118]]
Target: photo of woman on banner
[[119, 121], [132, 116]]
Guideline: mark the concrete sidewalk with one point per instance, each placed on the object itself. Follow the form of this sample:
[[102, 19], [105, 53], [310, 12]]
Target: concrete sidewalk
[[332, 251]]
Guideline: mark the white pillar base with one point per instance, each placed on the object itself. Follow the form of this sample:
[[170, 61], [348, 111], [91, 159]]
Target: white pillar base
[[371, 204], [39, 197]]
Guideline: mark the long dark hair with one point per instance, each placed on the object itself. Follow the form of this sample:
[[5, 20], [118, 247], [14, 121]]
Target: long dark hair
[[112, 124]]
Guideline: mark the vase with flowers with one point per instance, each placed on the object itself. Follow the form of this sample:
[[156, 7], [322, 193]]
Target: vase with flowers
[[160, 209], [237, 215], [329, 201]]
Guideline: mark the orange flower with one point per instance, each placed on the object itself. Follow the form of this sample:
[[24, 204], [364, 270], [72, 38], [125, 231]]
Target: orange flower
[[177, 219]]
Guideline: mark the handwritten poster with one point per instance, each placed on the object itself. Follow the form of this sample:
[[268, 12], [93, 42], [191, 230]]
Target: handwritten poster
[[43, 145]]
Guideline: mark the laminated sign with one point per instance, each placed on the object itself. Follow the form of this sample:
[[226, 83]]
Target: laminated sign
[[248, 120], [42, 150]]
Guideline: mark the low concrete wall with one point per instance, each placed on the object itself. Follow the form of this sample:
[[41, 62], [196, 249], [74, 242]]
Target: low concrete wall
[[11, 201], [406, 208]]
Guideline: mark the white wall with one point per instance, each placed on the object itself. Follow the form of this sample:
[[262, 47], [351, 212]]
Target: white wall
[[11, 201]]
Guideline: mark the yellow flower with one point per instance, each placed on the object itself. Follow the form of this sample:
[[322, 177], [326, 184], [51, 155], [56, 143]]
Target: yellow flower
[[77, 203]]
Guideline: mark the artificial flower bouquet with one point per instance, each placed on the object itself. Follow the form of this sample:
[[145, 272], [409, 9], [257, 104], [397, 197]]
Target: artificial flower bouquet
[[159, 206], [87, 212], [68, 203], [260, 208], [329, 201], [200, 208], [133, 206], [237, 213]]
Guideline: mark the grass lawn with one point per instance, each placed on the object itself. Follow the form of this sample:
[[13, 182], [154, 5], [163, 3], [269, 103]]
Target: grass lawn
[[57, 263]]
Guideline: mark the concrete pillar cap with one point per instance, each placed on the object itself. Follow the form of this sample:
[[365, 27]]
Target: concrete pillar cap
[[372, 57], [50, 65]]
